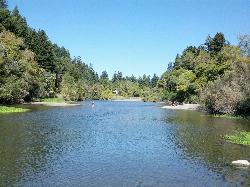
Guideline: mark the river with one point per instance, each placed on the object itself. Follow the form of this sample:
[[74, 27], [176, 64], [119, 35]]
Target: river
[[119, 144]]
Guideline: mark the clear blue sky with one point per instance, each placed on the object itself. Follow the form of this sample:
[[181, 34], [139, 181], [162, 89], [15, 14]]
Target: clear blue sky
[[134, 36]]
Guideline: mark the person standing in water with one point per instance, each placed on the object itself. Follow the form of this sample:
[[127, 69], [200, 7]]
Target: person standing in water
[[93, 104]]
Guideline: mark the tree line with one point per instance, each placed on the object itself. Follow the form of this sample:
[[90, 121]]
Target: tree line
[[33, 68], [215, 74]]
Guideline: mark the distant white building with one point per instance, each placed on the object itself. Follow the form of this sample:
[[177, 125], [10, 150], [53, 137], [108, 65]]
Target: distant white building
[[115, 92]]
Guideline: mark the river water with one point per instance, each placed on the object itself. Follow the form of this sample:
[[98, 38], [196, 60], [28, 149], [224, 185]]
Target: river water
[[119, 144]]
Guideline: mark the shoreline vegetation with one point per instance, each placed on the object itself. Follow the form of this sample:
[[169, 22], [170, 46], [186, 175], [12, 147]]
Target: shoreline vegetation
[[215, 74], [241, 138], [228, 116], [54, 103], [10, 109], [57, 101]]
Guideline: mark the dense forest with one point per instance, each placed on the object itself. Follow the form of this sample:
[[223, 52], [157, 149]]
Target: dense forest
[[215, 74]]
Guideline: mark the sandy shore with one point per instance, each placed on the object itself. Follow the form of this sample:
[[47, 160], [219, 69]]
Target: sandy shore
[[54, 104], [183, 107]]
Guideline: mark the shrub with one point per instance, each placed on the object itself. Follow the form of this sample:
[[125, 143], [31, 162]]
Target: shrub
[[229, 93]]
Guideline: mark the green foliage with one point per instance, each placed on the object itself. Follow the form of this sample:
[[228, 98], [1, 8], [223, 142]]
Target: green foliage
[[215, 74], [117, 76], [13, 90], [69, 88], [229, 93], [151, 94], [54, 100], [242, 138], [104, 76], [44, 51], [45, 85], [179, 84], [18, 24], [127, 88], [153, 81], [169, 96], [186, 60], [81, 90], [17, 68], [3, 4], [5, 110], [32, 67], [106, 94], [215, 44], [227, 116]]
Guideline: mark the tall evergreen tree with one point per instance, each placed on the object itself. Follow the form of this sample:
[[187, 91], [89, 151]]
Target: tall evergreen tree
[[104, 75], [18, 24], [44, 51], [154, 81], [132, 78], [119, 75], [3, 4], [215, 44]]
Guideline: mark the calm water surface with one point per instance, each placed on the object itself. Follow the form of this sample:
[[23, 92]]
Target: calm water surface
[[119, 144]]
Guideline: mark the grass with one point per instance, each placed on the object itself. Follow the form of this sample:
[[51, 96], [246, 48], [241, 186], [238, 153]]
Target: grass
[[242, 138], [54, 100], [5, 110]]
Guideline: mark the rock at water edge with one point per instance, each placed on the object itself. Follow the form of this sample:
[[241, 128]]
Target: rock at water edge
[[241, 163]]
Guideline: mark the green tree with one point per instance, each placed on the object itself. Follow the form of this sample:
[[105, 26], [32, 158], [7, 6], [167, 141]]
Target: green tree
[[3, 4], [18, 24], [44, 51], [215, 44], [18, 70], [69, 88], [229, 93], [104, 75], [179, 81], [154, 80]]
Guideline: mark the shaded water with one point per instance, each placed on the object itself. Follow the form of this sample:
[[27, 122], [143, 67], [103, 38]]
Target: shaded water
[[119, 144]]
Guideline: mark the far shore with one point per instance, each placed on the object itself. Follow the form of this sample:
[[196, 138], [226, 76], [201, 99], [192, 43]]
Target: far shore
[[54, 103], [127, 99], [183, 107]]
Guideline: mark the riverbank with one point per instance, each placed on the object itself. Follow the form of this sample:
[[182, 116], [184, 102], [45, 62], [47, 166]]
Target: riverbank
[[120, 98], [54, 103], [183, 107], [138, 100]]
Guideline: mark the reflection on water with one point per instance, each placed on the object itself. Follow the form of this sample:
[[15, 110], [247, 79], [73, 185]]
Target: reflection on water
[[119, 144]]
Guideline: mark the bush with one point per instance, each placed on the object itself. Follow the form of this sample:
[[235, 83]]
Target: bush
[[18, 69], [229, 93], [13, 90]]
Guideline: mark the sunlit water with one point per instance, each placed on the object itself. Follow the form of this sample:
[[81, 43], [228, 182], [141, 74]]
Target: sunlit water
[[119, 144]]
